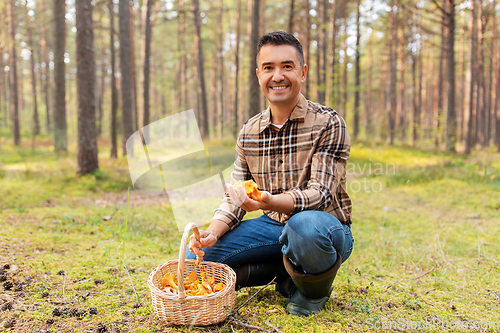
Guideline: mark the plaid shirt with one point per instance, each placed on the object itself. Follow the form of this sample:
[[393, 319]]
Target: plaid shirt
[[306, 158]]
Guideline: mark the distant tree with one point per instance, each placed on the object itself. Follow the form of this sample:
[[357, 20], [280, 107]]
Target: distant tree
[[237, 68], [393, 68], [357, 83], [14, 102], [254, 88], [307, 43], [202, 94], [60, 125], [29, 28], [469, 139], [114, 91], [290, 16], [45, 78], [147, 6], [85, 79], [220, 72], [133, 76], [126, 75]]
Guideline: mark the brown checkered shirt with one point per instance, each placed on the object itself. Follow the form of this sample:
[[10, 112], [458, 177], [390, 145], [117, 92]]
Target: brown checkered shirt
[[306, 158]]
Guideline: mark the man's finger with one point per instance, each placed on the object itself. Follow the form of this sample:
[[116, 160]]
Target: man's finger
[[234, 196]]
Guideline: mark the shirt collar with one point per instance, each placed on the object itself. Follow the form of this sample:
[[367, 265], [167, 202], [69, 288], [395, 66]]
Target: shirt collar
[[299, 112]]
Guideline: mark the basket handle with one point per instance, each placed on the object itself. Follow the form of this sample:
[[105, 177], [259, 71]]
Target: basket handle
[[182, 256]]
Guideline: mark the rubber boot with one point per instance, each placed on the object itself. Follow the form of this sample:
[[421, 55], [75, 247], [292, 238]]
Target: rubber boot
[[261, 273], [313, 290]]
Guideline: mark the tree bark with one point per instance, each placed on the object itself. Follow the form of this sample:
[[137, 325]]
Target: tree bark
[[441, 74], [202, 94], [357, 84], [14, 102], [133, 77], [451, 119], [114, 91], [237, 70], [470, 80], [392, 65], [87, 132], [489, 102], [402, 84], [254, 92], [220, 74], [479, 137], [60, 125], [307, 44], [36, 121], [45, 70], [461, 102], [126, 75], [330, 78], [290, 16], [147, 6]]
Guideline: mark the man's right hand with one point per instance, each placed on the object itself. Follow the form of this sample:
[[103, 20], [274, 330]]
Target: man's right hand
[[207, 239]]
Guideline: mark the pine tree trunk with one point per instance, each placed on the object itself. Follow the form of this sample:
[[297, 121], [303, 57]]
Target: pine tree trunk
[[392, 65], [126, 74], [36, 121], [87, 132], [330, 77], [479, 137], [442, 57], [357, 84], [345, 77], [45, 67], [133, 77], [451, 119], [202, 94], [183, 61], [237, 70], [14, 102], [101, 93], [114, 92], [60, 125], [461, 109], [307, 45], [471, 78], [220, 75], [254, 92], [147, 6], [402, 87], [489, 108], [290, 17]]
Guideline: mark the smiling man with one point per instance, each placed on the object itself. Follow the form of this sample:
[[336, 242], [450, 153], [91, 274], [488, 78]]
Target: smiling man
[[296, 151]]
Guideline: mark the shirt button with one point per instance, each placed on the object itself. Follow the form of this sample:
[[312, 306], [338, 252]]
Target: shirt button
[[281, 161]]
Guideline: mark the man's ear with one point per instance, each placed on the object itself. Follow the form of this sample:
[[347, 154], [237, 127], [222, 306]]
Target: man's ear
[[257, 73], [304, 73]]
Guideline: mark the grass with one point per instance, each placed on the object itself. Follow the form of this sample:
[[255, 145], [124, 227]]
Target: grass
[[426, 229]]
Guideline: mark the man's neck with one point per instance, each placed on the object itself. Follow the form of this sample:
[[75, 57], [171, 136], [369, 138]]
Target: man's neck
[[281, 113]]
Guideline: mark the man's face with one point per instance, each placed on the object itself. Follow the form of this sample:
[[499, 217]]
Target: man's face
[[280, 74]]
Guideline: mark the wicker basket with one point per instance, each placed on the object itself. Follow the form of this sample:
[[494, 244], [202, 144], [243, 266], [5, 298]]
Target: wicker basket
[[192, 310]]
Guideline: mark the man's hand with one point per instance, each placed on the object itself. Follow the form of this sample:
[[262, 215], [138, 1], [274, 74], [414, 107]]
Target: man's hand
[[207, 239], [241, 199]]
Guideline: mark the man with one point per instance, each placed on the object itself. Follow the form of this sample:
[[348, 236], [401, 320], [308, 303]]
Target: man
[[296, 151]]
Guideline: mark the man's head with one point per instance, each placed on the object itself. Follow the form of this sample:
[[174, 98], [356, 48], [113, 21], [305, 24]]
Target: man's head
[[277, 38], [280, 69]]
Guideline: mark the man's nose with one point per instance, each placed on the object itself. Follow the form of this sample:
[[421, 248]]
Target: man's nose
[[277, 76]]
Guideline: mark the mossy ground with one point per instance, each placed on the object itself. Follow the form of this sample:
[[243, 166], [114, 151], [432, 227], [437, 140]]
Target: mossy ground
[[426, 229]]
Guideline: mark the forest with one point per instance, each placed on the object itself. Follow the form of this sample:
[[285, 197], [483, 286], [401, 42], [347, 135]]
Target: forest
[[416, 73], [417, 81]]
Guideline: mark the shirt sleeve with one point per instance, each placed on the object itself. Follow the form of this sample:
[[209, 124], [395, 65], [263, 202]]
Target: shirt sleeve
[[229, 212], [328, 167]]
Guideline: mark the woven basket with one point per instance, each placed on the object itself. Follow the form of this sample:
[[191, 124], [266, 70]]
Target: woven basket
[[192, 310]]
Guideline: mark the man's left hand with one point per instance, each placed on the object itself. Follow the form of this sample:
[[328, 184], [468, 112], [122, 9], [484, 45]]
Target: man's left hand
[[241, 199]]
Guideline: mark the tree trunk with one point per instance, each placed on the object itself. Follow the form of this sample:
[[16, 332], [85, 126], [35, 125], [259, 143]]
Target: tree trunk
[[114, 91], [392, 65], [60, 125], [101, 92], [147, 5], [330, 78], [290, 17], [202, 94], [471, 78], [357, 84], [133, 76], [479, 137], [345, 77], [451, 119], [442, 57], [461, 108], [496, 111], [220, 75], [45, 67], [36, 121], [402, 87], [126, 75], [237, 71], [183, 100], [489, 102], [14, 102], [87, 136], [307, 44], [254, 92]]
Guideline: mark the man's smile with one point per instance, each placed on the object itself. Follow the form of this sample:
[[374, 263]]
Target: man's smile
[[278, 87]]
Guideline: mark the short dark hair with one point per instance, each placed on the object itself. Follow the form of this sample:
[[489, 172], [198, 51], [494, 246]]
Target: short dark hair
[[279, 37]]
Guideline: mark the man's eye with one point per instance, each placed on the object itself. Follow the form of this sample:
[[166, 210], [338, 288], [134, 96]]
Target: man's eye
[[267, 68]]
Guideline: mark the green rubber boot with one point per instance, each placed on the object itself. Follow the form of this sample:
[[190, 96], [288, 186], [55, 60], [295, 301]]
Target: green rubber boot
[[313, 290], [261, 273]]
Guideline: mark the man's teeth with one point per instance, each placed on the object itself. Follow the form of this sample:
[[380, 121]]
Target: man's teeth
[[278, 88]]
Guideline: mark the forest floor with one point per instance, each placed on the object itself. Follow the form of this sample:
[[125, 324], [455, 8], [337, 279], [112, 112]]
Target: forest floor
[[426, 255]]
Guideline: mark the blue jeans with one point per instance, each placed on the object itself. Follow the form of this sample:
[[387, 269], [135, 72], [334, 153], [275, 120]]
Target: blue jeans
[[310, 239]]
